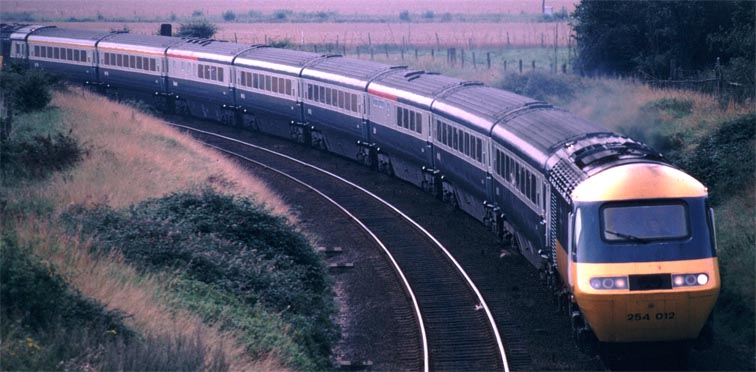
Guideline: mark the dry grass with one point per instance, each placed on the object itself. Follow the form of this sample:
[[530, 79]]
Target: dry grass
[[149, 9], [140, 296], [132, 157], [600, 102], [135, 157]]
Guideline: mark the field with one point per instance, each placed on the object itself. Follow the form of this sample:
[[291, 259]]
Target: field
[[147, 9], [460, 35]]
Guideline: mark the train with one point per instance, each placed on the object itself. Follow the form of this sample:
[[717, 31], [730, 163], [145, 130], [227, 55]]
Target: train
[[625, 238]]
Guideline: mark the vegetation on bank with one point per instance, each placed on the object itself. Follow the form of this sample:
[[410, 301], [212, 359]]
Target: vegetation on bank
[[83, 298]]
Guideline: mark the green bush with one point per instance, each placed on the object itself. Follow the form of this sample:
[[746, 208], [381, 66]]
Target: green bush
[[230, 244], [197, 28], [38, 156], [726, 160], [229, 15], [542, 86], [30, 90]]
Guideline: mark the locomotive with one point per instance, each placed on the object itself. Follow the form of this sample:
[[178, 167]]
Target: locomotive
[[625, 238]]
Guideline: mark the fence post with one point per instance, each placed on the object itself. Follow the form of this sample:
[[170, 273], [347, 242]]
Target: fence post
[[462, 57], [372, 53], [520, 66], [533, 65], [488, 60], [433, 54], [505, 65], [415, 54], [475, 63]]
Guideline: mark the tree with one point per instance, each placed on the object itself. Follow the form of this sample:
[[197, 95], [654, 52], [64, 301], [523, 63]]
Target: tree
[[646, 36], [200, 28], [229, 15]]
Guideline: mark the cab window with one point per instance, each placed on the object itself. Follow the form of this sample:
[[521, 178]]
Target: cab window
[[642, 223]]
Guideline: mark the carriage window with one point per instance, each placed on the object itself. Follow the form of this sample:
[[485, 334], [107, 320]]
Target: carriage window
[[288, 88], [153, 65], [139, 62], [348, 101]]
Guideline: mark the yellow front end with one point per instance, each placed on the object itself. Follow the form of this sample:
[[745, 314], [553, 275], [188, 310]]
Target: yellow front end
[[621, 315], [632, 284]]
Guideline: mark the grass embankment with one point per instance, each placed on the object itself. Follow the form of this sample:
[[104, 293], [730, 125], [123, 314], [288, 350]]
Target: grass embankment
[[162, 251], [712, 140]]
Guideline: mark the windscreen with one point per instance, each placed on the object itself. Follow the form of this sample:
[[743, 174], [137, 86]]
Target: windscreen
[[644, 223]]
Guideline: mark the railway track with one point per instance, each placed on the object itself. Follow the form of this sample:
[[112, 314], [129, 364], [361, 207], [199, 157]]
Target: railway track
[[457, 329]]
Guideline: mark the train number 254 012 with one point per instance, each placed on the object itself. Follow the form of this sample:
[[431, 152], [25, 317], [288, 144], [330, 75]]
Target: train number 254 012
[[637, 317]]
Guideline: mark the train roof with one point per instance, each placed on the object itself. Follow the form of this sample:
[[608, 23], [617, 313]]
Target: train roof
[[276, 59], [66, 36], [207, 50], [479, 106], [138, 43], [417, 88], [535, 131], [352, 73]]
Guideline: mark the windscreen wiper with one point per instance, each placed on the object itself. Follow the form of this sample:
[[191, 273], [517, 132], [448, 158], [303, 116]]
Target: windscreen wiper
[[628, 237]]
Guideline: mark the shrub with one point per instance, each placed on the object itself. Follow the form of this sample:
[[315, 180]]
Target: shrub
[[282, 14], [726, 160], [230, 244], [29, 90], [201, 29], [229, 15], [542, 86], [38, 156], [404, 15]]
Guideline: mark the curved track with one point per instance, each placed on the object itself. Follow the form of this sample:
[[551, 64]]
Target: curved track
[[459, 330]]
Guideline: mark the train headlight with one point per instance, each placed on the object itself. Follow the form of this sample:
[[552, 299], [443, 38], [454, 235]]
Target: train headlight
[[690, 280], [612, 282]]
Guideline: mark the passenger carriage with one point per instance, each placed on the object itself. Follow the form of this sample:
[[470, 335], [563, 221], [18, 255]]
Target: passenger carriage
[[70, 53], [399, 109], [463, 120], [200, 77], [333, 95], [268, 91], [133, 66]]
